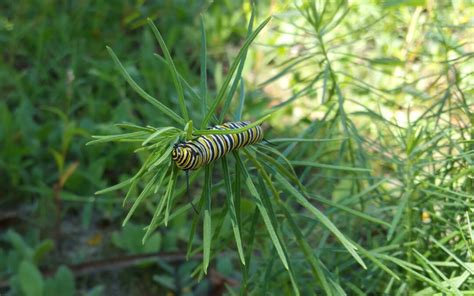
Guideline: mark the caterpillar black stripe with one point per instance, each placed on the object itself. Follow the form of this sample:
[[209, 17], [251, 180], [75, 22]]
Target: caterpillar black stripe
[[191, 155]]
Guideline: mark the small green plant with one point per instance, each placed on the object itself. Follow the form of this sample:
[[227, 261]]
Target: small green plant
[[264, 171], [26, 279]]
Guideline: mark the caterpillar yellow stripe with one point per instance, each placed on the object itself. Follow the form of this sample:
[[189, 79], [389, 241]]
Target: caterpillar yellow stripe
[[199, 152]]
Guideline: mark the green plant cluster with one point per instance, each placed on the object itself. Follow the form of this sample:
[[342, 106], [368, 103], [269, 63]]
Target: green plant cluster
[[365, 188]]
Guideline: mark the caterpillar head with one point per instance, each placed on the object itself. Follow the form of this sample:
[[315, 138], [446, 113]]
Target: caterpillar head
[[177, 151]]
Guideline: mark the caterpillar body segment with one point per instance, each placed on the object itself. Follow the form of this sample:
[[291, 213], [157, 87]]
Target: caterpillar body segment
[[194, 154]]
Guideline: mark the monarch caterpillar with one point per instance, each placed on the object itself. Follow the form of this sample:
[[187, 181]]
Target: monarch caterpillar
[[191, 155]]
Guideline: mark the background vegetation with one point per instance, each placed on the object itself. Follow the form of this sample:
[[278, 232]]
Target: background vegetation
[[372, 105]]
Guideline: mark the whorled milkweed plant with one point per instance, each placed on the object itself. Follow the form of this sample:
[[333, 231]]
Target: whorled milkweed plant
[[402, 107], [268, 177]]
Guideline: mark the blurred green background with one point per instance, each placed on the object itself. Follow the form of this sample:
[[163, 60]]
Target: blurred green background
[[388, 84]]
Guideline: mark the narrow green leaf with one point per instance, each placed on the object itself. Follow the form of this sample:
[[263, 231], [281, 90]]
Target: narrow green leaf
[[316, 269], [452, 255], [134, 136], [249, 244], [192, 92], [376, 261], [194, 95], [135, 127], [225, 84], [207, 227], [430, 269], [238, 75], [350, 210], [115, 187], [192, 232], [321, 218], [306, 91], [368, 189], [182, 209], [236, 192], [170, 193], [286, 169], [411, 268], [203, 63], [133, 184], [265, 282], [289, 68], [398, 214], [238, 114], [452, 282], [292, 140], [158, 133], [460, 194], [396, 3], [268, 205], [161, 205], [146, 192], [232, 131], [233, 215], [188, 129], [336, 18], [163, 158], [43, 248], [324, 91], [167, 111], [174, 72], [329, 166], [263, 211], [58, 158]]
